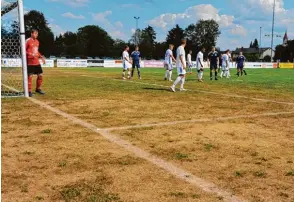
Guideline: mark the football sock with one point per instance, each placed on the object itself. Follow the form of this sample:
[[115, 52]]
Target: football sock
[[30, 82], [245, 72], [215, 74], [170, 74], [133, 69], [211, 74], [183, 82], [123, 74], [227, 74], [166, 74], [177, 81], [129, 74], [139, 72], [39, 82]]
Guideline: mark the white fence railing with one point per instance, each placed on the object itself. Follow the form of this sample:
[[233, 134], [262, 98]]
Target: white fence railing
[[75, 63]]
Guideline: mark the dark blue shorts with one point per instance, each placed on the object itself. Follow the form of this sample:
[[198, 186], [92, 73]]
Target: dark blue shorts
[[136, 64]]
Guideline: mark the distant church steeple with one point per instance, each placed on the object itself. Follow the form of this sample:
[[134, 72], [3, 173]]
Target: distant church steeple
[[285, 39]]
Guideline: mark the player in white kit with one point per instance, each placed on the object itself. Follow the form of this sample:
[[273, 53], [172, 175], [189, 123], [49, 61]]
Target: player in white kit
[[126, 63], [200, 64], [181, 66], [230, 63], [168, 63], [225, 65], [189, 62]]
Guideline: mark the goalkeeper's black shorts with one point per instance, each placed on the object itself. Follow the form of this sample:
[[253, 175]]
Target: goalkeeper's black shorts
[[34, 69]]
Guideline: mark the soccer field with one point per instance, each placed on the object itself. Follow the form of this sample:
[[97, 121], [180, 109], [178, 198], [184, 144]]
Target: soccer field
[[94, 137]]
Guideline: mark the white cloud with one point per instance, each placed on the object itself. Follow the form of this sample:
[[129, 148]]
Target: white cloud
[[239, 30], [266, 5], [101, 17], [192, 15], [57, 30], [113, 29], [119, 24], [72, 16], [72, 3]]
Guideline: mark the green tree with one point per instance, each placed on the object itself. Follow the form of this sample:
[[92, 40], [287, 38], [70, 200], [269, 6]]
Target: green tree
[[255, 44], [251, 57], [267, 58], [147, 44], [285, 53], [160, 49], [59, 49], [251, 45], [118, 47], [70, 44], [175, 35], [94, 41], [136, 38], [36, 20], [203, 34]]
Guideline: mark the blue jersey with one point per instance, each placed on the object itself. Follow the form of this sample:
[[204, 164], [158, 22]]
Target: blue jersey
[[136, 56], [240, 60], [213, 57]]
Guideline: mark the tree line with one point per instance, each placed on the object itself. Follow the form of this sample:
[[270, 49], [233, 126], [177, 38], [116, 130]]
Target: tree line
[[285, 53], [94, 41]]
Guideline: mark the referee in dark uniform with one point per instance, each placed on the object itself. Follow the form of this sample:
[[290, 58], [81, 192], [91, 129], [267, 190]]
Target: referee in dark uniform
[[214, 62]]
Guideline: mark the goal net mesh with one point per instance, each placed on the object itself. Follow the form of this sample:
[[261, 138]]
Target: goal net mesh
[[11, 59]]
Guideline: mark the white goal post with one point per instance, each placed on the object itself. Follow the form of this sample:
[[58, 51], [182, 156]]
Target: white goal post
[[14, 78]]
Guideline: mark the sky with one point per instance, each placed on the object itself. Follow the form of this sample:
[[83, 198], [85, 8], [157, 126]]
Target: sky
[[239, 20]]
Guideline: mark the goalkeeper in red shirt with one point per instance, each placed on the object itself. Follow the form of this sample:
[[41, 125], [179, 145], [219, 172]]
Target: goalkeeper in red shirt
[[34, 66]]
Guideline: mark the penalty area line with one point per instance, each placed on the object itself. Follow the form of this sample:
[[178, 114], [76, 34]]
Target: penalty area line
[[168, 167], [205, 120]]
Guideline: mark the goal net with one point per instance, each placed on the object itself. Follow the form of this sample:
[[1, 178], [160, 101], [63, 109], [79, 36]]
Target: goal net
[[13, 60]]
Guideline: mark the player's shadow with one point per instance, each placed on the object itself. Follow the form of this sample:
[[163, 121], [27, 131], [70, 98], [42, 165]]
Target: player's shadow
[[156, 88]]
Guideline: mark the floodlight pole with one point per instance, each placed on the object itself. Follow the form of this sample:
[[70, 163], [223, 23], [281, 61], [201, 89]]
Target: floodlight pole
[[136, 32], [260, 44], [23, 48], [273, 27]]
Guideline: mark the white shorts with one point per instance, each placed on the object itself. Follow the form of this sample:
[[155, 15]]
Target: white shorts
[[225, 68], [168, 66], [199, 67], [126, 65], [181, 71]]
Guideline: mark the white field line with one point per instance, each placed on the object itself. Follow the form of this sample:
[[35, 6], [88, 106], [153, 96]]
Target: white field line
[[205, 120], [170, 168], [203, 91]]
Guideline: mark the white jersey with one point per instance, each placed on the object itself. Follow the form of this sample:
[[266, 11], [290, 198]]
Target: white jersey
[[181, 52], [126, 56], [230, 59], [126, 59], [225, 59], [168, 56], [189, 59], [199, 60]]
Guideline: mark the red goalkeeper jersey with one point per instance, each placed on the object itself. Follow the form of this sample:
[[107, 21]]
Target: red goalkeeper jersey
[[32, 49]]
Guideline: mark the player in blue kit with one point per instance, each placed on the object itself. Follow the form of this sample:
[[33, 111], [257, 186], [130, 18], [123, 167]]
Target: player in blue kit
[[136, 57], [240, 62]]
